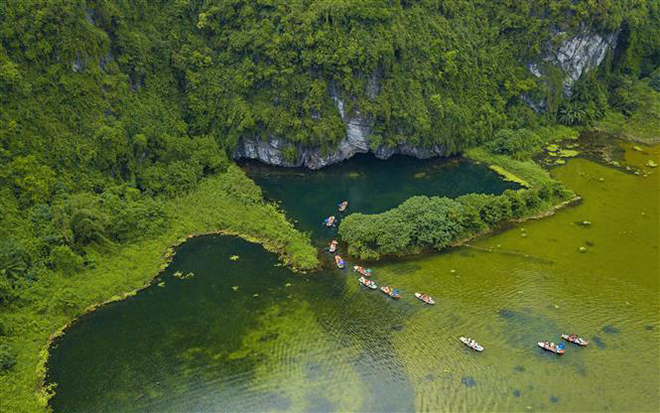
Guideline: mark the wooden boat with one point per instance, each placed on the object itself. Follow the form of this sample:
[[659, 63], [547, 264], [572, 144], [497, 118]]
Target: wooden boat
[[329, 221], [558, 349], [365, 272], [387, 290], [368, 283], [333, 246], [339, 261], [575, 339], [474, 345], [425, 298], [343, 206]]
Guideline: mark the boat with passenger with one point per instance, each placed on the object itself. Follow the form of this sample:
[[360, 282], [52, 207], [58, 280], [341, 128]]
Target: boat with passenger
[[343, 206], [368, 283], [558, 349], [425, 298], [392, 293], [573, 338], [329, 221], [339, 261], [471, 343], [364, 271], [333, 246]]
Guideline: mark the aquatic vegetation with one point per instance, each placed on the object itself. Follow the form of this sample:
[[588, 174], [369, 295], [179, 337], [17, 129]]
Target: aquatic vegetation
[[468, 381], [180, 275], [528, 170], [234, 257], [610, 329], [568, 153]]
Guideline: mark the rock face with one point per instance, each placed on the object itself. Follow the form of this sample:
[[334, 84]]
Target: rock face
[[358, 129], [576, 55], [582, 52]]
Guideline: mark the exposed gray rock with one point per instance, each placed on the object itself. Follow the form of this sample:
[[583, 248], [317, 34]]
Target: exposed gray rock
[[582, 52], [576, 55], [89, 16], [78, 65], [105, 60], [538, 106], [358, 131], [535, 69]]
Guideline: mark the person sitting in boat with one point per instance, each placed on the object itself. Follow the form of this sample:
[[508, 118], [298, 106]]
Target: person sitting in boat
[[572, 337], [333, 245], [329, 221], [362, 270], [343, 206], [339, 261], [552, 345]]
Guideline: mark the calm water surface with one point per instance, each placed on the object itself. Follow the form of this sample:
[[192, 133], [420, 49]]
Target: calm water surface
[[370, 185], [247, 334]]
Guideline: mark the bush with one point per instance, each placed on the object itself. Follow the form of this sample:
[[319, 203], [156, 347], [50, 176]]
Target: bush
[[7, 357], [655, 83], [63, 259], [520, 143]]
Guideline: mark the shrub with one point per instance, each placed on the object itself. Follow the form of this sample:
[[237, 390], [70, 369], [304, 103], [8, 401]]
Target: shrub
[[7, 357], [520, 143], [63, 259]]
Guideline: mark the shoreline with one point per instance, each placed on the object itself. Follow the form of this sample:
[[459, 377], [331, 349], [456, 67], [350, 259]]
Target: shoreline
[[46, 391]]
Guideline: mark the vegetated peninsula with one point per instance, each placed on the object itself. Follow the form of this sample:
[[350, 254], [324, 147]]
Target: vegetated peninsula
[[120, 123]]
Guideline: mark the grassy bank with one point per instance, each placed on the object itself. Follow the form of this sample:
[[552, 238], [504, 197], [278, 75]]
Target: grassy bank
[[228, 202], [643, 124], [525, 172]]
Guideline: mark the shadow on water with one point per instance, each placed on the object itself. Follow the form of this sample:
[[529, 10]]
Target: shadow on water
[[369, 184]]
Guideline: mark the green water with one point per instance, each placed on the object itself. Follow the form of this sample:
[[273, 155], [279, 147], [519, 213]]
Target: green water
[[249, 335], [370, 185]]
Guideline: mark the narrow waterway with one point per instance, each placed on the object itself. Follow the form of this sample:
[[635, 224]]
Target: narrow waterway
[[244, 333]]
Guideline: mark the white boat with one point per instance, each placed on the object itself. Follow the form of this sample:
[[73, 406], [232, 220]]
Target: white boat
[[557, 349], [368, 283], [474, 345], [575, 339], [425, 298]]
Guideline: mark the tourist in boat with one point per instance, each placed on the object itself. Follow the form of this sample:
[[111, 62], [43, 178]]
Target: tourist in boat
[[329, 221], [343, 206], [362, 270], [339, 261], [333, 245]]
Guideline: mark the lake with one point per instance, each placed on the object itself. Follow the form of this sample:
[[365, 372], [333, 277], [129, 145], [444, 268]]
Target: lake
[[227, 328]]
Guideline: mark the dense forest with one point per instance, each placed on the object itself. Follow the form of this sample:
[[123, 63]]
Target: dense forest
[[112, 109]]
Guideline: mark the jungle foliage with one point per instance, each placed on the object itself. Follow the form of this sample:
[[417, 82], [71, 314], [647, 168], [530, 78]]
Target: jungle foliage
[[112, 110]]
